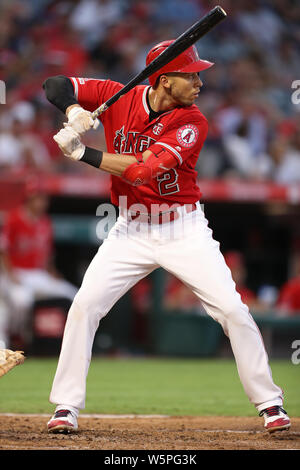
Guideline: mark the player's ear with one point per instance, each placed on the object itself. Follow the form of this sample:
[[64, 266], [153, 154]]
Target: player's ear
[[165, 81]]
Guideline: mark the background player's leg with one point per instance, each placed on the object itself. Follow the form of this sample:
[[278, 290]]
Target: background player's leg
[[118, 265], [44, 285], [198, 262]]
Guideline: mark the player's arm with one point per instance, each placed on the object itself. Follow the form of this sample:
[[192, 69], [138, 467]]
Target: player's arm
[[134, 170], [59, 91], [5, 264], [141, 170]]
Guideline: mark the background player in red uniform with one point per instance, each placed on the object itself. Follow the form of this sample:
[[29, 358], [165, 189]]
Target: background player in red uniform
[[27, 251], [154, 135], [288, 302]]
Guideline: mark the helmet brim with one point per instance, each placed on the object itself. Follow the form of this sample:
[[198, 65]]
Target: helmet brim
[[196, 66]]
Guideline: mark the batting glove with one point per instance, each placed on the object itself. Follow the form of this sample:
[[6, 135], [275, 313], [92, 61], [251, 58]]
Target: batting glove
[[81, 120], [69, 142]]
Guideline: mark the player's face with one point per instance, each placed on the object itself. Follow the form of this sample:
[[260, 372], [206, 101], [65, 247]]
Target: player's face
[[184, 88], [38, 204]]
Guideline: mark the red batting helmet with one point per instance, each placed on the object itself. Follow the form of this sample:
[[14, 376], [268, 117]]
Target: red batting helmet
[[188, 61]]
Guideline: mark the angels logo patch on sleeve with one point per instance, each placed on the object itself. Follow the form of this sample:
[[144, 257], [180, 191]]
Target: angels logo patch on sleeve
[[187, 135]]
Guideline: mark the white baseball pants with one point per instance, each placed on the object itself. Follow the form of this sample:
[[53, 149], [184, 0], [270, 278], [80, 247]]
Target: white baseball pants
[[185, 248], [18, 297]]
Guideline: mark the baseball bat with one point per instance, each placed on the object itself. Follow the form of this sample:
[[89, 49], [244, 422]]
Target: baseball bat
[[185, 40]]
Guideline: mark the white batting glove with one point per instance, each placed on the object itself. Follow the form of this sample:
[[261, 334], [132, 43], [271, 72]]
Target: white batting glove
[[81, 120], [69, 142]]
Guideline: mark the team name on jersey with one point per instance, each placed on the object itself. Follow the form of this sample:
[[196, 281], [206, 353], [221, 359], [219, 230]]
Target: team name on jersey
[[131, 142]]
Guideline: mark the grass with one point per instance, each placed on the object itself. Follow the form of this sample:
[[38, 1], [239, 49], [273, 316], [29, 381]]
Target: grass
[[148, 386]]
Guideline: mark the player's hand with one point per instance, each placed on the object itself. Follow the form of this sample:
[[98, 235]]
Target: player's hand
[[69, 142], [81, 120]]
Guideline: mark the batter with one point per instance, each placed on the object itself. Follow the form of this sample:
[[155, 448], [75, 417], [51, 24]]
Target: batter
[[154, 135]]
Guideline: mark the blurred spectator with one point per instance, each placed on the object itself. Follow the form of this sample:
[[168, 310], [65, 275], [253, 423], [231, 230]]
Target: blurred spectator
[[27, 250], [92, 18], [12, 152], [247, 96], [236, 263], [288, 303], [260, 24], [20, 147], [42, 127], [4, 313], [141, 299], [179, 13], [178, 296], [244, 111], [282, 161], [289, 127], [239, 153], [63, 50], [257, 303]]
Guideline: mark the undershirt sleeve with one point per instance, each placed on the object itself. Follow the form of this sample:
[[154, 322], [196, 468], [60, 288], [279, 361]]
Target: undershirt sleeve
[[60, 92]]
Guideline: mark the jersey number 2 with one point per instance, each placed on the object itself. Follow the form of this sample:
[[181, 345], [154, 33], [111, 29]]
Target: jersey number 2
[[167, 182]]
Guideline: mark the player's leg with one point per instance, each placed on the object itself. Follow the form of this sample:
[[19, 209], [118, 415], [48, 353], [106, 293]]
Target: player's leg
[[4, 325], [18, 300], [44, 285], [4, 316], [117, 266], [198, 262]]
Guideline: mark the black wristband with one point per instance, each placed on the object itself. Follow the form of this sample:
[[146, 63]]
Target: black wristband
[[92, 157]]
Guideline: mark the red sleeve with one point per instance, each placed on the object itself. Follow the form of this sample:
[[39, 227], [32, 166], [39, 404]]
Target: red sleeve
[[289, 296], [50, 247], [7, 232], [183, 140], [91, 93]]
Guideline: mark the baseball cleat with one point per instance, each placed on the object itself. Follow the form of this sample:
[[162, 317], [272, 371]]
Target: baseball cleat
[[276, 419], [63, 421]]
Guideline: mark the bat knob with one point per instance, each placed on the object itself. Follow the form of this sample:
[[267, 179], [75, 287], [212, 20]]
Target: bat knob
[[221, 10]]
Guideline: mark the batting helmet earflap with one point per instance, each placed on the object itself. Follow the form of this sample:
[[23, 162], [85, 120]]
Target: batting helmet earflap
[[188, 61]]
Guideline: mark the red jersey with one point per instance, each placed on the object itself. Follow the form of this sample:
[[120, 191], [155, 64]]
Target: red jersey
[[27, 242], [247, 295], [182, 131], [289, 296]]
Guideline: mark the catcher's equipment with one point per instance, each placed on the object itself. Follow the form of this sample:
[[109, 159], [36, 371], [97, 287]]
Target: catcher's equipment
[[187, 62], [9, 359], [81, 120]]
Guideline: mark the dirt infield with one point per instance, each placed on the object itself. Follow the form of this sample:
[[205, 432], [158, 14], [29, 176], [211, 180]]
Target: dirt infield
[[26, 432]]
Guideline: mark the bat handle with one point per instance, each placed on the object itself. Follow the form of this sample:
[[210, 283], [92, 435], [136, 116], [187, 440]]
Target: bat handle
[[99, 110]]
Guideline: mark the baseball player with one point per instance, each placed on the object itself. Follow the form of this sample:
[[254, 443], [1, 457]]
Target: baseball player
[[154, 135], [26, 253]]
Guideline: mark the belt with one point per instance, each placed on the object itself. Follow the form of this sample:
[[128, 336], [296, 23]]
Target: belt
[[161, 217]]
